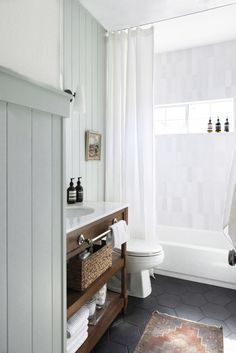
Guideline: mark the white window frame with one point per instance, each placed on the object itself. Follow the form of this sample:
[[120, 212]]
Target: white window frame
[[187, 108]]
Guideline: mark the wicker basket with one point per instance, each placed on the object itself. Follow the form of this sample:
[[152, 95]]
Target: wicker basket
[[80, 274]]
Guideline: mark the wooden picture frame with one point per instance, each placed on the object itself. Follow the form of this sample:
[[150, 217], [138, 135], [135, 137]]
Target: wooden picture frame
[[92, 146]]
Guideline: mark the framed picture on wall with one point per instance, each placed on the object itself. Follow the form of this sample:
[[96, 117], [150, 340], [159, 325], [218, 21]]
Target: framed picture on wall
[[92, 146]]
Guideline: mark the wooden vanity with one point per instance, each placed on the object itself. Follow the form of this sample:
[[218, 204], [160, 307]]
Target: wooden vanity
[[98, 223]]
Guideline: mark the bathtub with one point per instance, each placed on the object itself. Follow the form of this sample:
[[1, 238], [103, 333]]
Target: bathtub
[[196, 255]]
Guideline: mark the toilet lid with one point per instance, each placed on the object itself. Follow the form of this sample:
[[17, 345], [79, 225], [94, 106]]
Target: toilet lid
[[138, 247]]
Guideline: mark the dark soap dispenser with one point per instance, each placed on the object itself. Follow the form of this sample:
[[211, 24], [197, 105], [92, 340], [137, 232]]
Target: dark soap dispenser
[[71, 192], [218, 125], [226, 125], [79, 191], [209, 127]]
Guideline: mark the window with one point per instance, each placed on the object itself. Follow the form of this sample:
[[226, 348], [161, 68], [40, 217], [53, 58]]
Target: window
[[192, 117]]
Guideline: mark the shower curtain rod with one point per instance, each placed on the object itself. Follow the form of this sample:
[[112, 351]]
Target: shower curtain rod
[[173, 18]]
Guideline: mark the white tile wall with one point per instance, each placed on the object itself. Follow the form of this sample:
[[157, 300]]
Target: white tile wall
[[191, 179], [200, 73], [192, 170]]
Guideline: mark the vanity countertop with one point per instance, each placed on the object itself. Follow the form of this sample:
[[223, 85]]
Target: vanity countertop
[[80, 215]]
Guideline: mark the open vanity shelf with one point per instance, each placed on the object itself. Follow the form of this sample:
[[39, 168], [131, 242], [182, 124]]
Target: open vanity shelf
[[115, 302], [77, 299]]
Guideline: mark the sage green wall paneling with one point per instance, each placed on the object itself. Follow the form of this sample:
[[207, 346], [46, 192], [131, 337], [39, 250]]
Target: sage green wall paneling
[[102, 105], [67, 79], [84, 60], [32, 262], [58, 239], [42, 227], [3, 227], [19, 210], [82, 76]]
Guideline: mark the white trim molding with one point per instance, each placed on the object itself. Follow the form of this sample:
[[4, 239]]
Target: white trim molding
[[18, 89]]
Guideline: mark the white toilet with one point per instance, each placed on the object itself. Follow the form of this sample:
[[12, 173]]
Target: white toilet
[[142, 257]]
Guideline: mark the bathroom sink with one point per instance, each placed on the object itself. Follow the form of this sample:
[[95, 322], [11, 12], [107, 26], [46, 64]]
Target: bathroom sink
[[80, 211]]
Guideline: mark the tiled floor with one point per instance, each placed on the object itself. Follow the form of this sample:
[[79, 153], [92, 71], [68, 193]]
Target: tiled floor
[[190, 300]]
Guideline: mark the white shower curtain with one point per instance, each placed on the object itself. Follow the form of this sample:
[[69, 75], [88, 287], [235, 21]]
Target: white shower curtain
[[129, 127]]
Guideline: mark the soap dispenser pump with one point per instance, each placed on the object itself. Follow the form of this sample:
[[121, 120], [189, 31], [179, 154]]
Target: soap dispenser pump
[[79, 191], [71, 192]]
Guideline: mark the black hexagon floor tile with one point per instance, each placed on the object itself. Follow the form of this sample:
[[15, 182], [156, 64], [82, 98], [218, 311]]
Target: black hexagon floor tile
[[189, 312], [125, 334], [231, 323], [218, 323], [157, 287], [147, 303], [136, 315], [166, 310], [109, 347], [131, 348], [170, 300], [215, 311], [105, 338], [142, 327], [173, 296], [196, 299], [231, 307], [119, 320], [157, 290], [196, 287], [217, 298], [174, 288], [231, 293]]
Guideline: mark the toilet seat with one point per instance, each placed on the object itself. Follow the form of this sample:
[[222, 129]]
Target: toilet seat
[[142, 248]]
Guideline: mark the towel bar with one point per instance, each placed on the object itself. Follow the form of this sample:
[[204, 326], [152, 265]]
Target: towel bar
[[81, 239]]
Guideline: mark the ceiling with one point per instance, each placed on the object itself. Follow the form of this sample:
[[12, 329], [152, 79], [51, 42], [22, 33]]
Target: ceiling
[[119, 14], [218, 25], [197, 29]]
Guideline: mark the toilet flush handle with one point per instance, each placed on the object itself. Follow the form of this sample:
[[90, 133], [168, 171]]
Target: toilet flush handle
[[232, 257]]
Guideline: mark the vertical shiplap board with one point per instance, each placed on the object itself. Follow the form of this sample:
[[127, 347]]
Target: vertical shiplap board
[[85, 60], [41, 232], [94, 109], [67, 43], [3, 228], [89, 102], [102, 107], [82, 78], [19, 230], [67, 84], [57, 234], [74, 84]]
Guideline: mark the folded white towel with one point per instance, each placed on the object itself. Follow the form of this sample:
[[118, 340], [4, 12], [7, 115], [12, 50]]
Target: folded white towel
[[76, 321], [83, 329], [80, 328], [76, 342], [120, 234], [77, 336]]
